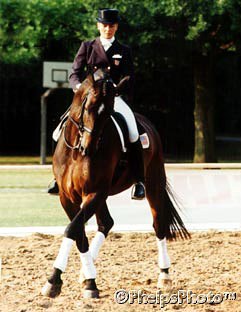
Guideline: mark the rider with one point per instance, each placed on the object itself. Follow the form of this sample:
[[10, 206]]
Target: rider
[[106, 51]]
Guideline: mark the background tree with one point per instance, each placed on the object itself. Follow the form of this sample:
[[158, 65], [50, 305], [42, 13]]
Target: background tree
[[168, 37], [209, 28]]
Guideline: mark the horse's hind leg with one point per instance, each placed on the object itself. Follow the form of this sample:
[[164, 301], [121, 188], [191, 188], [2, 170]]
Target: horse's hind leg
[[155, 192], [105, 223]]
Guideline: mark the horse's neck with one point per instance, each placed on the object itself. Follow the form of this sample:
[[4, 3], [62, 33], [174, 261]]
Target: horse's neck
[[71, 133], [74, 111]]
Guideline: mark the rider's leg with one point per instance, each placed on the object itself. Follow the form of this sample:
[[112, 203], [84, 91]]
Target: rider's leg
[[136, 154], [53, 187]]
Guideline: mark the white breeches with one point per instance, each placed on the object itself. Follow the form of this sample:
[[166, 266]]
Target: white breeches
[[121, 107]]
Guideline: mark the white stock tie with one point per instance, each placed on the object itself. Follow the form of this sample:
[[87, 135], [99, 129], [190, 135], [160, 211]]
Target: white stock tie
[[107, 43]]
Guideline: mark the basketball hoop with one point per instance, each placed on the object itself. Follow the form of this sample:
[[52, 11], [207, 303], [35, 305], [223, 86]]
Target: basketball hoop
[[55, 75]]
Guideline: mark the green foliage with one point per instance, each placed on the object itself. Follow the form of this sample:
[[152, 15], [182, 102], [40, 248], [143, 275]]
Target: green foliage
[[199, 26], [210, 24], [18, 31], [37, 29], [28, 28]]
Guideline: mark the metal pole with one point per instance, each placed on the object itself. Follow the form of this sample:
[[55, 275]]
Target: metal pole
[[43, 135]]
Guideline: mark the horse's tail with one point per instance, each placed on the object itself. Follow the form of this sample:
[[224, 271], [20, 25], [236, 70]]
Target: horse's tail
[[174, 226]]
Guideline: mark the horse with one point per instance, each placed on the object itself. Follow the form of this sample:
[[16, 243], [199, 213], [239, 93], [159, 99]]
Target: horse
[[88, 165]]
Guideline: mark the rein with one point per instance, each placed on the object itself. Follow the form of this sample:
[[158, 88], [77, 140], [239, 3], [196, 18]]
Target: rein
[[80, 126]]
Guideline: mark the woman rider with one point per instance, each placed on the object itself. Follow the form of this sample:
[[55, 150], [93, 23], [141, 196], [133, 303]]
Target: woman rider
[[107, 51]]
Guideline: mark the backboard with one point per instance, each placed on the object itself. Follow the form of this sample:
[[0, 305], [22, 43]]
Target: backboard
[[56, 74]]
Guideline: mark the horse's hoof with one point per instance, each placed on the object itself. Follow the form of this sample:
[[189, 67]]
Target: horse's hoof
[[90, 294], [51, 290], [90, 289], [164, 281]]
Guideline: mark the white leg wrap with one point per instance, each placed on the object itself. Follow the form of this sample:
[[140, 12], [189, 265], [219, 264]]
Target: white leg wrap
[[95, 244], [163, 257], [62, 258], [88, 267]]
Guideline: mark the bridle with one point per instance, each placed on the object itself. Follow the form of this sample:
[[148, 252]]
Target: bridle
[[80, 125]]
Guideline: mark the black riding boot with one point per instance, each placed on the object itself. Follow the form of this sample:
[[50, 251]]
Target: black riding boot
[[137, 166], [53, 188]]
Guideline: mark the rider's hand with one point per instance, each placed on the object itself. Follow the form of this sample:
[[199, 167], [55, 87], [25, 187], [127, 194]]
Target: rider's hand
[[77, 87]]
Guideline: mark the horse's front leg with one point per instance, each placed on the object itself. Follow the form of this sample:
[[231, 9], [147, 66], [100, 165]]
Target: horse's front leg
[[105, 223], [75, 231], [53, 286], [93, 203]]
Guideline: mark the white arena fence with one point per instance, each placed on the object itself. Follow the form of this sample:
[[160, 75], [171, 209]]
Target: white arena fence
[[210, 195]]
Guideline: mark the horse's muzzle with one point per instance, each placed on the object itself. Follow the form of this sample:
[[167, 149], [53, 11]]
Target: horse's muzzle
[[87, 151], [88, 145]]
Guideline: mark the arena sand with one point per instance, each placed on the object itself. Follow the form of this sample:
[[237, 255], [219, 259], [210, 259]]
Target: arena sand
[[208, 262]]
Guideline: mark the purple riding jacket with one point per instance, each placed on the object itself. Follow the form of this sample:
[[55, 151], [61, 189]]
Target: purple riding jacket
[[91, 53]]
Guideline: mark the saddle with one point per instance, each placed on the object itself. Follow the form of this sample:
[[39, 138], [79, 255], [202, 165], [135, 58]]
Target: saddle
[[121, 127]]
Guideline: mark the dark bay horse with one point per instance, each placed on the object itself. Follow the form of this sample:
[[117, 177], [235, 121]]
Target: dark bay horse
[[86, 165]]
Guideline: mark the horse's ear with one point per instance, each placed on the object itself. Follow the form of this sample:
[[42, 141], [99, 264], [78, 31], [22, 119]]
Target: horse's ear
[[122, 85]]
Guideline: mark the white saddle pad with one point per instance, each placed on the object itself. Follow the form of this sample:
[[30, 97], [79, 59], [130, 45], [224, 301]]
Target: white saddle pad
[[143, 137]]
